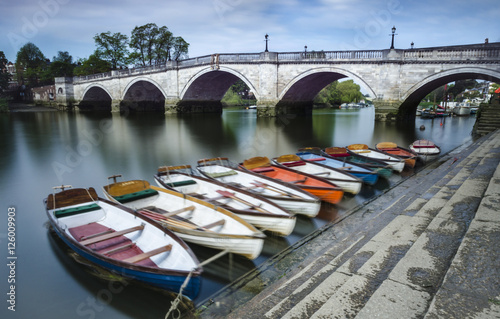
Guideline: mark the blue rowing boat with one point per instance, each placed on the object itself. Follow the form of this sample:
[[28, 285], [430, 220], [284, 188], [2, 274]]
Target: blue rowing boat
[[122, 241], [367, 175]]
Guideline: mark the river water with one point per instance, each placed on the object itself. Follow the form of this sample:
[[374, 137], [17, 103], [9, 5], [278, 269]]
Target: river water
[[45, 149]]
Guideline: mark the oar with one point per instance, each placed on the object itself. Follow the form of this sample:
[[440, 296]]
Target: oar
[[174, 222], [231, 195], [274, 189]]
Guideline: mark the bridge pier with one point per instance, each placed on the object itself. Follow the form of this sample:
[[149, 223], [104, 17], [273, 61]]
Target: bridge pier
[[386, 110], [275, 109], [192, 106]]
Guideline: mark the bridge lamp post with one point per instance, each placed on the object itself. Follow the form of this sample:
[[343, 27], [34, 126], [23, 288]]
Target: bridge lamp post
[[266, 36], [393, 34], [305, 51]]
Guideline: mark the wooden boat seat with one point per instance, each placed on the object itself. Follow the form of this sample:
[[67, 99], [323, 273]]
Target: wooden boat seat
[[165, 213], [262, 169], [317, 159], [214, 224], [295, 163], [136, 195], [181, 183], [140, 257], [111, 235], [222, 174], [390, 149], [76, 210]]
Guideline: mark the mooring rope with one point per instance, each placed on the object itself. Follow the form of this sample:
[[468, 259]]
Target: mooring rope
[[177, 299]]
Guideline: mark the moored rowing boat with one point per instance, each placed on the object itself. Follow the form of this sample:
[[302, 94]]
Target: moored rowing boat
[[317, 186], [391, 148], [122, 241], [381, 168], [290, 197], [366, 174], [346, 181], [425, 150], [192, 219], [397, 164], [255, 209]]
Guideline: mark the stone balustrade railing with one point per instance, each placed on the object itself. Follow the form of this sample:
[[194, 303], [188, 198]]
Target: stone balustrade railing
[[480, 53]]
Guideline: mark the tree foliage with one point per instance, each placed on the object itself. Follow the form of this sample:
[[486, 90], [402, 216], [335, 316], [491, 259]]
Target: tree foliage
[[112, 48], [62, 65], [30, 64], [4, 73], [92, 65], [143, 41], [154, 45], [337, 93]]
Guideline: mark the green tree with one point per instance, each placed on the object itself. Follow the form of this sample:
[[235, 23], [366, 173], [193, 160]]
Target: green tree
[[92, 65], [164, 43], [4, 73], [62, 65], [30, 63], [143, 41], [350, 91], [180, 48], [329, 95], [112, 48]]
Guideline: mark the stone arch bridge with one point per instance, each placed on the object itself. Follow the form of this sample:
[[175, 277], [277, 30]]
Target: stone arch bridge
[[284, 83]]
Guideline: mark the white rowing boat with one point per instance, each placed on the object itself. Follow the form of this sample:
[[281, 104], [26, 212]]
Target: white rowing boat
[[122, 241], [344, 180], [192, 219], [290, 197], [256, 210], [426, 150], [397, 164]]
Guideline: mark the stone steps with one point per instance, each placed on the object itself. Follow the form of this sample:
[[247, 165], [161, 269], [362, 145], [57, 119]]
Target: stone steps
[[469, 289], [388, 259], [364, 285]]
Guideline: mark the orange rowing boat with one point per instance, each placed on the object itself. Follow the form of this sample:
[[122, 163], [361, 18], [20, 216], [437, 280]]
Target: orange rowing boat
[[393, 149], [317, 186]]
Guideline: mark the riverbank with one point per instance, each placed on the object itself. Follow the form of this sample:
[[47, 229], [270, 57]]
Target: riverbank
[[425, 248], [27, 107]]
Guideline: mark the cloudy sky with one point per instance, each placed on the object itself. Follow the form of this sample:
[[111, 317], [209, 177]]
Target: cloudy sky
[[227, 26]]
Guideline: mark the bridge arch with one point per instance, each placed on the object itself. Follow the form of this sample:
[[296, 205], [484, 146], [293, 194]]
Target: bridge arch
[[305, 86], [143, 95], [96, 97], [418, 91], [139, 80], [210, 84]]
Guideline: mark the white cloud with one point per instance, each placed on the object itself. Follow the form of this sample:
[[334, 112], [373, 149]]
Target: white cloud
[[240, 25]]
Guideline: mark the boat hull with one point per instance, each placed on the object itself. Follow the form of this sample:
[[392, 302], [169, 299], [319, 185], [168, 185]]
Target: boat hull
[[396, 164], [366, 175], [291, 198], [426, 150], [314, 185], [255, 209], [347, 182], [407, 155], [166, 268], [168, 282], [234, 234]]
